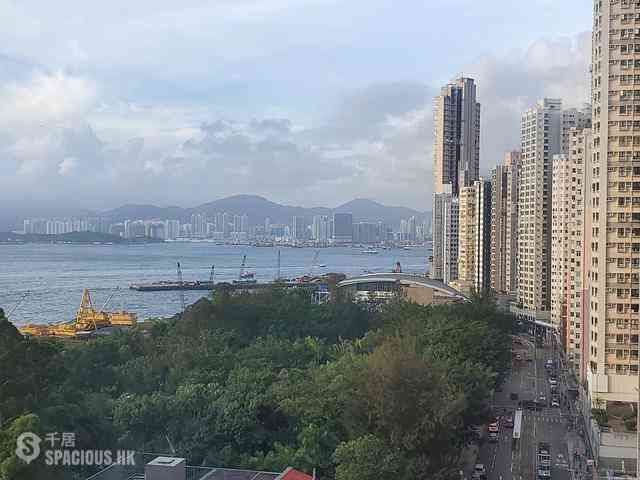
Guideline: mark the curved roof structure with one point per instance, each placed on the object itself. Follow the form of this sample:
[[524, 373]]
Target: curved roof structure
[[404, 279]]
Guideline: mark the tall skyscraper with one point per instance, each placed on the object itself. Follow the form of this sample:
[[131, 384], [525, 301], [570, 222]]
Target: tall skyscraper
[[457, 136], [504, 225], [474, 243], [456, 158], [612, 329]]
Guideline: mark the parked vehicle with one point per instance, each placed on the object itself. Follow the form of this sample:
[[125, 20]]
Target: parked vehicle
[[544, 461], [555, 402], [479, 472]]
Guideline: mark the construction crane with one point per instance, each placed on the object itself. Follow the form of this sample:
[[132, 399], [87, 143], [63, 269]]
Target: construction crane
[[181, 286], [211, 284], [106, 302], [18, 303]]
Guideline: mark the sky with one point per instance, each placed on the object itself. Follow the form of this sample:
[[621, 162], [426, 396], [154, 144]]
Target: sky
[[306, 102]]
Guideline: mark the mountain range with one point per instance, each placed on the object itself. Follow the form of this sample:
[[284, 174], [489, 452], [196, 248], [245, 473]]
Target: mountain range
[[259, 208]]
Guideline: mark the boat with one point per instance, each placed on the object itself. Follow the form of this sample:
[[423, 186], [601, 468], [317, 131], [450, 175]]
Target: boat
[[322, 265], [370, 251]]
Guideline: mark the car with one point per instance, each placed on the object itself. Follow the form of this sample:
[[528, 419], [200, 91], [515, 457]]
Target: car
[[542, 398], [555, 402], [479, 472], [553, 381], [494, 427], [518, 357], [513, 396], [508, 421], [493, 437], [549, 364]]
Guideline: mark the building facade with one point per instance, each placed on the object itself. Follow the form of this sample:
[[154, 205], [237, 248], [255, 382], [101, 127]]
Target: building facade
[[474, 240], [504, 225], [457, 136], [612, 328], [444, 266], [342, 228], [456, 159]]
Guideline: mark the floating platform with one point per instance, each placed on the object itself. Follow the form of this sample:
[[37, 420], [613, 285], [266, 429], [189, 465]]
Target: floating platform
[[165, 286]]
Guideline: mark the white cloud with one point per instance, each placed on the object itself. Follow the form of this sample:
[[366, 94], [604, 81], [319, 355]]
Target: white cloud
[[67, 167]]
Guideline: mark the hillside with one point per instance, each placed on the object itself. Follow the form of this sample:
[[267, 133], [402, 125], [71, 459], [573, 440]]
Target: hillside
[[259, 208]]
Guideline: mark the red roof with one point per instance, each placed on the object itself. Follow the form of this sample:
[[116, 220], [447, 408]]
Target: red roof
[[293, 474]]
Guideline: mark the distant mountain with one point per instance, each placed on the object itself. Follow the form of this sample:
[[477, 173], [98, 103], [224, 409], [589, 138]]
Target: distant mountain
[[364, 210], [259, 208], [147, 212]]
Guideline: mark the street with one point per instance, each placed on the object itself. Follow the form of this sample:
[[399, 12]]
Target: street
[[508, 459]]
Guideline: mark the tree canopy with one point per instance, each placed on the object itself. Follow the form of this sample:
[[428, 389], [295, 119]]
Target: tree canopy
[[267, 381]]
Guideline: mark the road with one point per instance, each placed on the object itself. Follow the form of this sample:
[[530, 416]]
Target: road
[[506, 460]]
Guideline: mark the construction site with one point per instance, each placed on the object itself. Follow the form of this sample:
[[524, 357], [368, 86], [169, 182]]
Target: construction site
[[88, 322]]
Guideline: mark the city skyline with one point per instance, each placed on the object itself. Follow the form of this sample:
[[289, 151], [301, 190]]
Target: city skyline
[[77, 116]]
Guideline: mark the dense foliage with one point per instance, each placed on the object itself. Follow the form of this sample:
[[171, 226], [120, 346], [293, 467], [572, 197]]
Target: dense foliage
[[267, 381]]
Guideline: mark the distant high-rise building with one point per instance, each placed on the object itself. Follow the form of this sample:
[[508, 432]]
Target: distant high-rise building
[[321, 230], [366, 232], [342, 228], [474, 241], [457, 136], [298, 228], [445, 236], [199, 225], [456, 165], [504, 225], [244, 223], [171, 229]]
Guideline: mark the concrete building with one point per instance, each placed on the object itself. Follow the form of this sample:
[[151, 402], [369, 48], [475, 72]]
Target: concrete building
[[366, 232], [457, 136], [385, 287], [321, 230], [560, 231], [298, 228], [445, 237], [342, 228], [456, 158], [614, 207], [474, 240], [544, 130], [504, 225], [579, 240]]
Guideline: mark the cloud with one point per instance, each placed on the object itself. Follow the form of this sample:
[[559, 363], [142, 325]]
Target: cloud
[[66, 136], [67, 166], [508, 85]]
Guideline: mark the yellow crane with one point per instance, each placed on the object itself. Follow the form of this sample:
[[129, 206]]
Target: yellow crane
[[87, 321]]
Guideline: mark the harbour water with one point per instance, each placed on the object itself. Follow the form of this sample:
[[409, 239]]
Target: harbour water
[[55, 275]]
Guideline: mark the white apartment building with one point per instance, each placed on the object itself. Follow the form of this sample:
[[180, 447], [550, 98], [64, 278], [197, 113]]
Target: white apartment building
[[544, 130], [611, 330], [445, 236]]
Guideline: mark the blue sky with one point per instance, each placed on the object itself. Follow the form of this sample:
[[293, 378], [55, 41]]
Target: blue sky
[[309, 102]]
